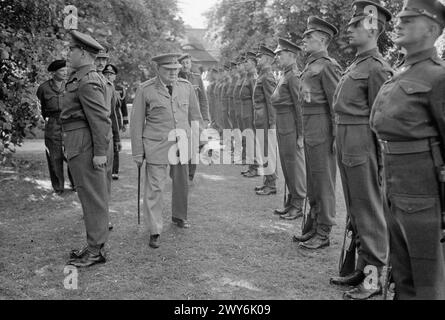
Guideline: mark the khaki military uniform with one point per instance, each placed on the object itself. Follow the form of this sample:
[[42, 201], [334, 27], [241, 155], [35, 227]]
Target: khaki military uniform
[[264, 119], [246, 97], [318, 81], [289, 121], [87, 133], [225, 88], [154, 116], [358, 155], [51, 105], [409, 120], [212, 103]]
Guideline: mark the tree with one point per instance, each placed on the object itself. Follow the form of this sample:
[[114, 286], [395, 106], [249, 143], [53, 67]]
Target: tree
[[32, 35], [242, 25]]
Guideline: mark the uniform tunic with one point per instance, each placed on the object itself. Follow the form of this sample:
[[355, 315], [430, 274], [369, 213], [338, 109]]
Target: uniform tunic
[[264, 119], [155, 115], [408, 117], [319, 80], [51, 99], [87, 132], [358, 155], [287, 103]]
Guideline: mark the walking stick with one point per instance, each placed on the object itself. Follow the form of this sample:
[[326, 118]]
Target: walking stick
[[139, 195]]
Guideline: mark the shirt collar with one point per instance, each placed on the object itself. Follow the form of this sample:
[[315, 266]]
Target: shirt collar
[[368, 53], [420, 56], [317, 55], [83, 71]]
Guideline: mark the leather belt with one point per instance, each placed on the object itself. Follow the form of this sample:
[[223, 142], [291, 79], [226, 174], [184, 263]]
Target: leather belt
[[348, 119], [73, 125], [315, 108], [405, 147]]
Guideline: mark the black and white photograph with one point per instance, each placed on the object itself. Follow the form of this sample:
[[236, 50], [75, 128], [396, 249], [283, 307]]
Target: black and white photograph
[[222, 157]]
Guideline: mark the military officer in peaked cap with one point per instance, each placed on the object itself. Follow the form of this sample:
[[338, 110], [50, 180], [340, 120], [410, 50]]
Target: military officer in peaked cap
[[110, 72], [318, 81], [50, 94], [87, 132], [358, 151], [289, 122], [196, 80], [264, 119], [163, 106], [408, 117]]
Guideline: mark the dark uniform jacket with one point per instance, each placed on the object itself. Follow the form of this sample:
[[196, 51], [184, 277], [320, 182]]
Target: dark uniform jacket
[[246, 96], [319, 80], [359, 86], [411, 105], [196, 80], [287, 95], [50, 98], [263, 90], [85, 106]]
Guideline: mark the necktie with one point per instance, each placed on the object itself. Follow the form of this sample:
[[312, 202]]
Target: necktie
[[170, 89]]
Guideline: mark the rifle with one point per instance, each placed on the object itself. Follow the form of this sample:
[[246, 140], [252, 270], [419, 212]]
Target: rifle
[[346, 263]]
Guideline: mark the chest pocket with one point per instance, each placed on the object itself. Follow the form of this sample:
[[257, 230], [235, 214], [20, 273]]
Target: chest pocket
[[359, 75], [412, 87]]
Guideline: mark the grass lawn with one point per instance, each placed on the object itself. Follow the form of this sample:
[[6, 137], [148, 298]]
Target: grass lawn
[[235, 249]]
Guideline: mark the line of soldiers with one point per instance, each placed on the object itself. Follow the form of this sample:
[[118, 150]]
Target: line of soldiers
[[384, 129]]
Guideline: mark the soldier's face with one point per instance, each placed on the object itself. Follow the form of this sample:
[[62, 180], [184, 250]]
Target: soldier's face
[[312, 42], [167, 75], [412, 30], [284, 59], [186, 64], [358, 35], [111, 77], [60, 74], [100, 63], [75, 56]]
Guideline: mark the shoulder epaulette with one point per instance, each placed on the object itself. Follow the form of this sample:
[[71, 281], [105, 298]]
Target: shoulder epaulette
[[148, 82]]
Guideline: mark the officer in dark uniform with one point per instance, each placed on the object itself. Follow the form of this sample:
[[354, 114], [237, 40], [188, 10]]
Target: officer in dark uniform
[[50, 94], [123, 122], [196, 80], [319, 80], [357, 148], [289, 121], [87, 131], [264, 119], [246, 97], [408, 117], [110, 72]]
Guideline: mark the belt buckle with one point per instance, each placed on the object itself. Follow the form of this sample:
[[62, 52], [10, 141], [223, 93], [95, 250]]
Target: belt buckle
[[384, 145]]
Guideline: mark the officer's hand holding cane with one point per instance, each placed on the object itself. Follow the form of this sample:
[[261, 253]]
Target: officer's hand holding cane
[[99, 162]]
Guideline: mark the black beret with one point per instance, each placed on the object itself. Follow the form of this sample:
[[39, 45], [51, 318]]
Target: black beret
[[56, 65]]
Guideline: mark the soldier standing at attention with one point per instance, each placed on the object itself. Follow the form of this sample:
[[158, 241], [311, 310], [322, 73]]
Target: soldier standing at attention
[[318, 81], [264, 118], [357, 148], [289, 121], [122, 111], [225, 97], [246, 97], [196, 80], [87, 130], [110, 72], [161, 106], [211, 96], [408, 117], [238, 158], [232, 104], [50, 94]]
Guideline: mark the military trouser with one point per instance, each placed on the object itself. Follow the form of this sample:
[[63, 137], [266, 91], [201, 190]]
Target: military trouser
[[321, 170], [250, 144], [225, 114], [232, 114], [54, 154], [115, 158], [359, 170], [414, 221], [266, 154], [91, 184], [153, 204], [291, 156]]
